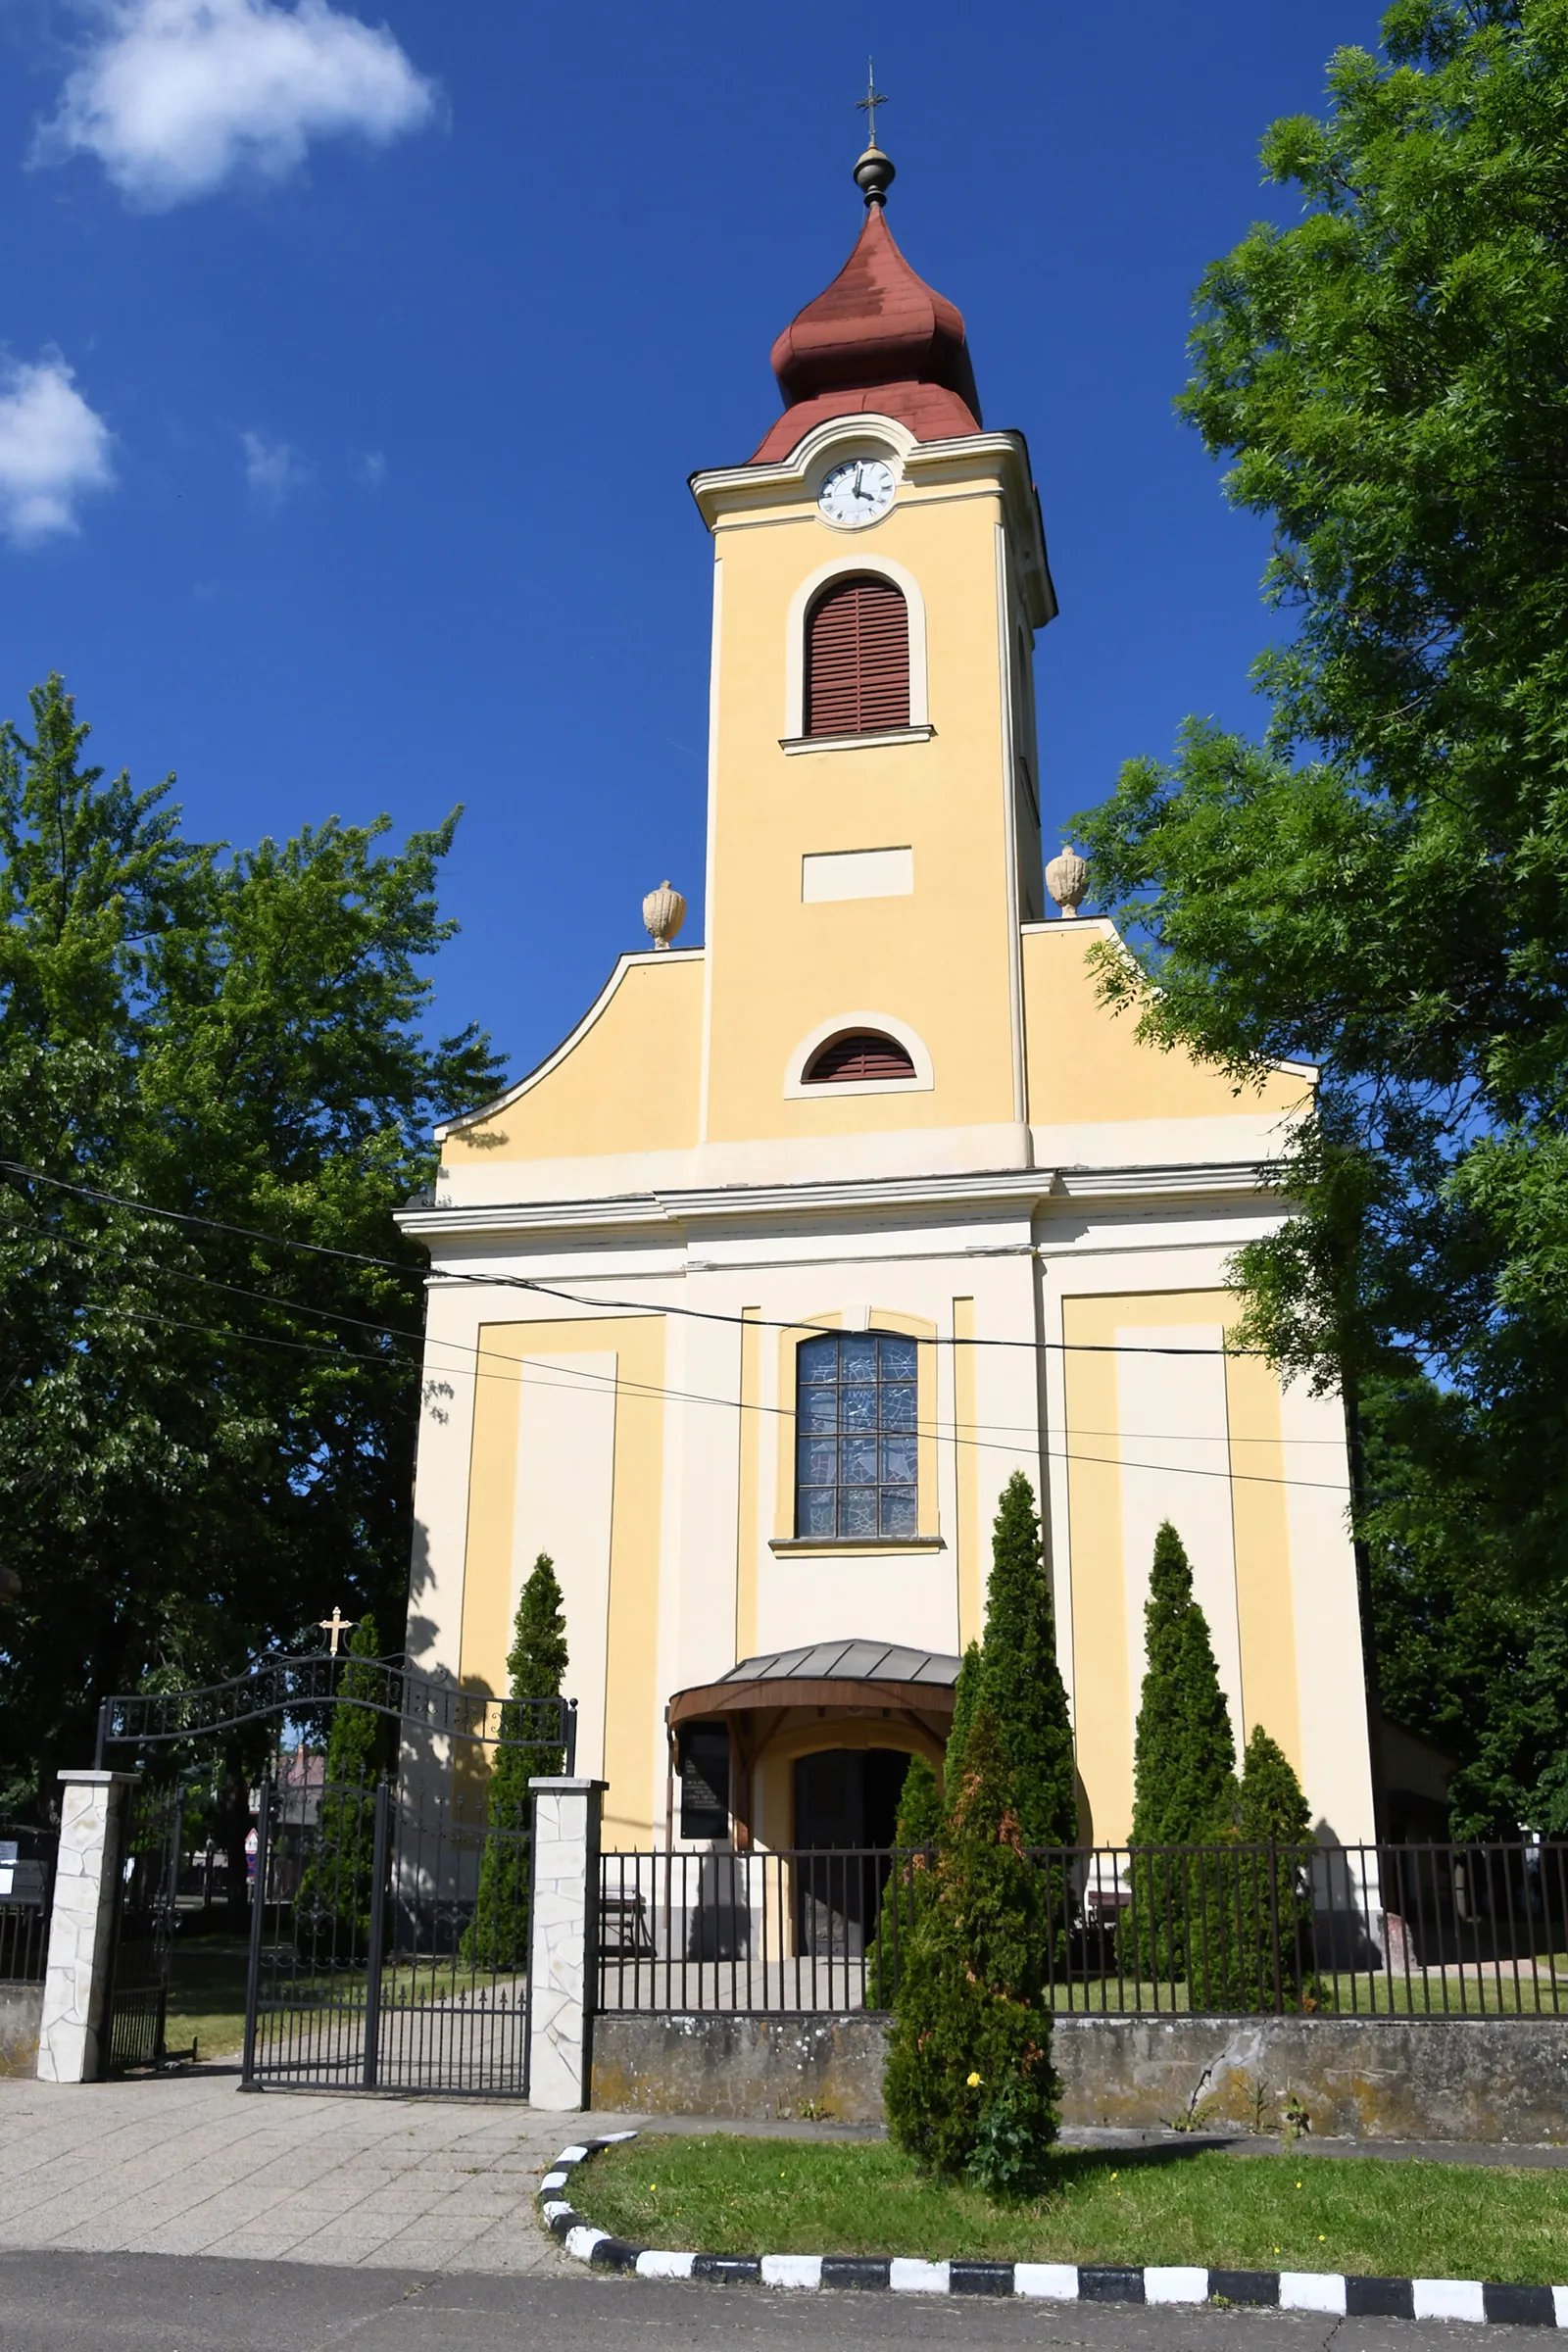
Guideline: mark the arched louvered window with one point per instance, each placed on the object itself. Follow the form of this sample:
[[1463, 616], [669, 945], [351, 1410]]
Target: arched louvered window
[[861, 1054], [857, 658]]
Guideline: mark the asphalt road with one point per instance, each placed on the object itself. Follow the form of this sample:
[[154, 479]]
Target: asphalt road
[[65, 2302]]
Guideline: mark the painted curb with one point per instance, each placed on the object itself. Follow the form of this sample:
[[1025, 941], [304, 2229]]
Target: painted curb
[[1329, 2291]]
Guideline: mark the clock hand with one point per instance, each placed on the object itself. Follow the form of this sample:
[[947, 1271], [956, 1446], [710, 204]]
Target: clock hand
[[854, 487]]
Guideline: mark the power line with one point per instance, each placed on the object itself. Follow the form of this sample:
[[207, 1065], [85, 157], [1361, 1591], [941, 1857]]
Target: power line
[[304, 1313], [619, 1384], [545, 1289]]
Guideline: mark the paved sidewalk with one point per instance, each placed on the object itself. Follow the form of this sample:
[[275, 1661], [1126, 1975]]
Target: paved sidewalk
[[189, 2164], [192, 2165]]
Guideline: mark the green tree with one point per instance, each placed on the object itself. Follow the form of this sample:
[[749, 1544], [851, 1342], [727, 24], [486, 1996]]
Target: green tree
[[497, 1935], [916, 1832], [1273, 1868], [969, 2057], [966, 1700], [1184, 1752], [332, 1901], [1184, 1773], [1465, 1659], [204, 1442], [1380, 887], [1022, 1682]]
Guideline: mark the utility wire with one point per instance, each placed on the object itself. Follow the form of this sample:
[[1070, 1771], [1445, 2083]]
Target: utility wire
[[599, 1304], [939, 1432], [306, 1313]]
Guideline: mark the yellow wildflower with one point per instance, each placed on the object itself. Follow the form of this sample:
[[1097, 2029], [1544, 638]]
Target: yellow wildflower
[[974, 2081]]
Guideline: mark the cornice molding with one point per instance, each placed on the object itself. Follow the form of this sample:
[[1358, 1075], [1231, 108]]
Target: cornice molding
[[1021, 1191], [1237, 1176], [729, 493]]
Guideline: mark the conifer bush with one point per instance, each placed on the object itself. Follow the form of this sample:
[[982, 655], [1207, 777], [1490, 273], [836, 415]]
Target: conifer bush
[[332, 1901], [917, 1829], [497, 1935], [969, 2070], [1273, 1813], [965, 1698], [1023, 1689], [1184, 1783]]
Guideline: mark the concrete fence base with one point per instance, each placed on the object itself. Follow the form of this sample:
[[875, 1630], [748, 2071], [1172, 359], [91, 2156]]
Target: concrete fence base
[[1497, 2080], [21, 2010]]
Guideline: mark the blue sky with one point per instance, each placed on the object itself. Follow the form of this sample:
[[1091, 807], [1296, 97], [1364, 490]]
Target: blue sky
[[355, 366]]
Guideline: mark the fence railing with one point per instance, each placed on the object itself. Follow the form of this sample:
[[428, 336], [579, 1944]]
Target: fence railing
[[27, 1886], [1406, 1931]]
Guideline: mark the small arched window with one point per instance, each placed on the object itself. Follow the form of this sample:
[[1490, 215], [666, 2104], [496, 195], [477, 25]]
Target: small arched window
[[857, 658], [863, 1054]]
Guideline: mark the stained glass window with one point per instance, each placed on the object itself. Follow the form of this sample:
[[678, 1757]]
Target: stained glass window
[[856, 1436]]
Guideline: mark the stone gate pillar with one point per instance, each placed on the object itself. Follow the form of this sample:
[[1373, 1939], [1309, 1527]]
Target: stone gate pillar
[[564, 1957], [82, 1925]]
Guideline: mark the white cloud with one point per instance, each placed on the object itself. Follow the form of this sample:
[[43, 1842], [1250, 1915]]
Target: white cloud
[[174, 97], [53, 448], [368, 468], [273, 472]]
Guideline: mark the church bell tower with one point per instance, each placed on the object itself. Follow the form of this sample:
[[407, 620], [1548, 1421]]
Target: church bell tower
[[879, 577]]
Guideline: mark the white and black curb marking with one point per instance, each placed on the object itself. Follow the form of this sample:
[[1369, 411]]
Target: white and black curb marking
[[1049, 2281]]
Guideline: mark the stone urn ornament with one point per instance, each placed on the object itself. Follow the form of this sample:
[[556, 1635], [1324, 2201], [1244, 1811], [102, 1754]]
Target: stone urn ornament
[[664, 913], [1067, 880]]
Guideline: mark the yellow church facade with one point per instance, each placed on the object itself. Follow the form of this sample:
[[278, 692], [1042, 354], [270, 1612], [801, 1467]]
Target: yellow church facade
[[748, 1301]]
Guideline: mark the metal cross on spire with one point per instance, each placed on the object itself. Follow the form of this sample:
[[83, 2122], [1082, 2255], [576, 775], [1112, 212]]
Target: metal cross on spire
[[872, 101]]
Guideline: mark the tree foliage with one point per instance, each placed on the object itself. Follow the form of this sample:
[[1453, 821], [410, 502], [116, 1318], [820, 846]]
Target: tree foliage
[[1381, 886], [204, 1441], [966, 1700], [497, 1935], [1184, 1752], [969, 2057], [915, 1830], [332, 1901], [1464, 1658], [1022, 1682]]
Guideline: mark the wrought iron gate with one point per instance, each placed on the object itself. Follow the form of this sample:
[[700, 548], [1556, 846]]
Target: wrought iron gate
[[388, 1914], [389, 1938], [144, 1928]]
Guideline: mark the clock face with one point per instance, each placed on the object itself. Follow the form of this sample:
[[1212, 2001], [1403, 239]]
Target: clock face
[[861, 490]]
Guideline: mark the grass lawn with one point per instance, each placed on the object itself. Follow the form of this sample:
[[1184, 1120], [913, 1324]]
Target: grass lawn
[[1360, 2215], [206, 1996]]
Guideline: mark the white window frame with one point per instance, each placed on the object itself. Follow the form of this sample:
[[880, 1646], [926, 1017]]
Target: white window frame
[[795, 1089], [853, 564]]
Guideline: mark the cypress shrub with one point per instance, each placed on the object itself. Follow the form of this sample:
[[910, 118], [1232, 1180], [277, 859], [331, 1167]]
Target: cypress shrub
[[497, 1935], [1022, 1682], [1273, 1813], [1184, 1782], [969, 2073], [1024, 1690], [965, 1698], [915, 1832], [332, 1901]]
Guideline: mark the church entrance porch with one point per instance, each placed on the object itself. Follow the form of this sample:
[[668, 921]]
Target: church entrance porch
[[846, 1807]]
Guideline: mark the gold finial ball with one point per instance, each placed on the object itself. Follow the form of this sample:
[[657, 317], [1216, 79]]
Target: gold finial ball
[[1067, 880], [664, 913]]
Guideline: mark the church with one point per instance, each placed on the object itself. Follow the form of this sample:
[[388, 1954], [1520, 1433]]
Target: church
[[746, 1303]]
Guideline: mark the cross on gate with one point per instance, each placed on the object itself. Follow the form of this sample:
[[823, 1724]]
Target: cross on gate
[[335, 1625]]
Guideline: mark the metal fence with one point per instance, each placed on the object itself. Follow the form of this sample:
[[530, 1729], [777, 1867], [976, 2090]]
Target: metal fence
[[26, 1888], [1408, 1931]]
